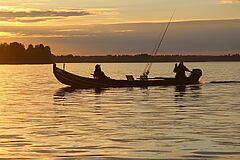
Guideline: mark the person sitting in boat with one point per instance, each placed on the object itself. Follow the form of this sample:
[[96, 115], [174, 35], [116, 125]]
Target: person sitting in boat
[[180, 71], [98, 73]]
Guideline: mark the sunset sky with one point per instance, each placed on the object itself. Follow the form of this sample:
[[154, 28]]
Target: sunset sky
[[93, 27]]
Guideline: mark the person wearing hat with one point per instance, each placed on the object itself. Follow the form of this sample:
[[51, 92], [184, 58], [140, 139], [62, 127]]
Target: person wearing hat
[[98, 73], [180, 71]]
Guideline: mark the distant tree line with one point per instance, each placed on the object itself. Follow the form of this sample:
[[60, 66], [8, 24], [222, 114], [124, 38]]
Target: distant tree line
[[143, 58], [16, 53]]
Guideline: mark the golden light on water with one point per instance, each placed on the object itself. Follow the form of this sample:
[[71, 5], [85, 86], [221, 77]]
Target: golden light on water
[[40, 118]]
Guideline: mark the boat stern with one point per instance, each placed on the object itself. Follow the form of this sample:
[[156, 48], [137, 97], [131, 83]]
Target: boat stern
[[195, 75]]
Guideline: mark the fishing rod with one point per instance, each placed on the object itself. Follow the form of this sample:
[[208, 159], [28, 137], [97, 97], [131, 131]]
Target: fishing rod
[[155, 51], [152, 53]]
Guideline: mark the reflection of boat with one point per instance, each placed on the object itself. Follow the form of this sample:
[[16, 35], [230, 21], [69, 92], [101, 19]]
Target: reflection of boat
[[62, 91], [83, 82]]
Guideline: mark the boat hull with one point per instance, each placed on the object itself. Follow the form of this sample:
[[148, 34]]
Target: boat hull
[[76, 81]]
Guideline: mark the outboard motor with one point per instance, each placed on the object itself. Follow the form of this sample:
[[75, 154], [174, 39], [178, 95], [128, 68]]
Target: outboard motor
[[195, 75]]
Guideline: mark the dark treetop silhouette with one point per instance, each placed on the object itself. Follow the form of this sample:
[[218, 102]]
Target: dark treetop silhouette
[[15, 53]]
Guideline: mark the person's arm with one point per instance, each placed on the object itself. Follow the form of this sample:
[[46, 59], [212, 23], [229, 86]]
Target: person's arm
[[186, 69], [175, 68], [105, 75], [92, 75]]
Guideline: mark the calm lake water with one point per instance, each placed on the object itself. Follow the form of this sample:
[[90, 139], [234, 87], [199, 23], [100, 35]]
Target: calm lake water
[[41, 118]]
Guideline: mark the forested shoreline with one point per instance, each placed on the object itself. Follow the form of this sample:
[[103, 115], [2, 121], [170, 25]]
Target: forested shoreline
[[16, 53], [143, 58]]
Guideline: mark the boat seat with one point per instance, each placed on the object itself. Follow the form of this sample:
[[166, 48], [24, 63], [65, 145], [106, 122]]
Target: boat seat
[[129, 77]]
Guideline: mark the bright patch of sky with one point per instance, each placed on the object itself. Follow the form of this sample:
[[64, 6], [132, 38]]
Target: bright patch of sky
[[115, 11], [122, 26]]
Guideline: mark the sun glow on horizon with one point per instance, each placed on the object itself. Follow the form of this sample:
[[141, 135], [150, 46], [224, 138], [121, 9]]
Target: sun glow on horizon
[[117, 26]]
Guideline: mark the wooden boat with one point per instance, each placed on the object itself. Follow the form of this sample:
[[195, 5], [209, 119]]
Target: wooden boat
[[76, 81]]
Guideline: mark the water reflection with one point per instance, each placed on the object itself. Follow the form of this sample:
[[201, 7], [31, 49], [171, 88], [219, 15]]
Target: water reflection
[[62, 91], [193, 91], [62, 94], [41, 120], [196, 90], [185, 93], [99, 90], [180, 88]]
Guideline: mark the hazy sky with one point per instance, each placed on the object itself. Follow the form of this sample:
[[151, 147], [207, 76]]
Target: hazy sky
[[90, 27]]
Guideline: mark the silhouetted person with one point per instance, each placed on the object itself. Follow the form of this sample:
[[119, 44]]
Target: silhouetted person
[[98, 73], [180, 71]]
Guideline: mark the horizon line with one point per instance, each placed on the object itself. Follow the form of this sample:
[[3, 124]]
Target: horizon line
[[131, 22]]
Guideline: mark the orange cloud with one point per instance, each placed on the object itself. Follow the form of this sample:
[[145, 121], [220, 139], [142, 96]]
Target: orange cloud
[[127, 38], [40, 15]]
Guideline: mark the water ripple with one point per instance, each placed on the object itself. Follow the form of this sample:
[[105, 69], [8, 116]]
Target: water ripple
[[39, 119]]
